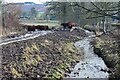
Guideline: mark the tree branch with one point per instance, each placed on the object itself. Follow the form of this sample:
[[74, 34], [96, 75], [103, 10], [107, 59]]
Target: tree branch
[[94, 17], [115, 17]]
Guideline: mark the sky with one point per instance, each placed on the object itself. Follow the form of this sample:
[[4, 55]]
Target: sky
[[36, 1], [41, 1]]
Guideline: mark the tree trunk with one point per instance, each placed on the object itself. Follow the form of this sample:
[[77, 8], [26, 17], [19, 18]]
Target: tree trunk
[[118, 16], [3, 20], [64, 12], [103, 24]]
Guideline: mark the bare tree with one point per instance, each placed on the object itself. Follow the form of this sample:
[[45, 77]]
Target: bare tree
[[10, 17], [103, 10], [63, 11], [33, 12], [0, 18]]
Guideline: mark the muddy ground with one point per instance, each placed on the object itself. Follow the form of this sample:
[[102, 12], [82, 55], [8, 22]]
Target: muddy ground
[[48, 56]]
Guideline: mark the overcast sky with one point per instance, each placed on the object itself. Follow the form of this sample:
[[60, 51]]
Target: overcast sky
[[36, 1], [40, 1]]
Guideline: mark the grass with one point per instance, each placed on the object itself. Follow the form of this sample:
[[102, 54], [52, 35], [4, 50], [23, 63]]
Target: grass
[[43, 22]]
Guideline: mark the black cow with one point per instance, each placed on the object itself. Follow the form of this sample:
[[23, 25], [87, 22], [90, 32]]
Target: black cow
[[31, 28], [42, 27]]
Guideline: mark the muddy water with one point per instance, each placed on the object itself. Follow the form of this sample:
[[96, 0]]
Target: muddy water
[[91, 66]]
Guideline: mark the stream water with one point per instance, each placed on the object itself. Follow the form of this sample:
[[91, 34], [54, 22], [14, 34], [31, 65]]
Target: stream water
[[91, 66]]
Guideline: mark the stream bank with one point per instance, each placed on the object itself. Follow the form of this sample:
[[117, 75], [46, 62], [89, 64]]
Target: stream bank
[[107, 46]]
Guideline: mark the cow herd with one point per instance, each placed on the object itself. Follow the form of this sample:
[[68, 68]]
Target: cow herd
[[67, 25], [38, 27]]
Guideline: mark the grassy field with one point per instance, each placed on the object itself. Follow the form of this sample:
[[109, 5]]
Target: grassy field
[[50, 23]]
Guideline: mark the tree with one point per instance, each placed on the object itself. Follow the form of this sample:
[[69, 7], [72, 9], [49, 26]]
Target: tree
[[0, 19], [24, 14], [102, 9], [59, 10], [10, 15], [33, 12], [92, 13], [63, 11]]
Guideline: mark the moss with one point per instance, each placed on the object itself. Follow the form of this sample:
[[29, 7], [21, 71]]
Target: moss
[[117, 66], [75, 57], [34, 46], [69, 48], [78, 37], [60, 70], [38, 58], [64, 65], [30, 60], [30, 57], [46, 43], [15, 72], [31, 49], [28, 50], [56, 75]]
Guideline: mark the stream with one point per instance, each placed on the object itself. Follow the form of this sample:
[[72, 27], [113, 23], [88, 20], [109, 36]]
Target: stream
[[91, 66]]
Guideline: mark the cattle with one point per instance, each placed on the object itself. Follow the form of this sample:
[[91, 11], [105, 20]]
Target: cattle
[[68, 25], [38, 27], [42, 27], [31, 28], [71, 24], [65, 25]]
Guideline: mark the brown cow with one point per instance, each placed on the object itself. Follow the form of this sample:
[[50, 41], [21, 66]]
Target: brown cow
[[71, 24], [68, 25]]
